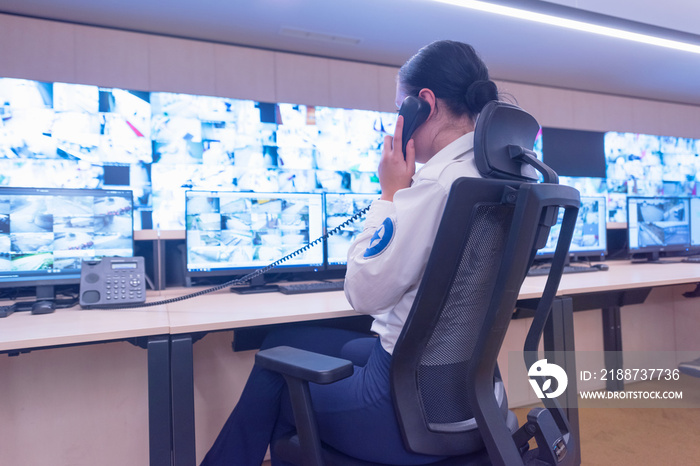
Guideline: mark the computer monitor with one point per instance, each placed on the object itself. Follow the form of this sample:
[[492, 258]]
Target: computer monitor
[[658, 224], [236, 233], [339, 208], [695, 223], [45, 233], [590, 234]]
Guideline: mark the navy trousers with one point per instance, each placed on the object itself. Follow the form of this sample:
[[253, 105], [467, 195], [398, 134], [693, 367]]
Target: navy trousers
[[355, 415]]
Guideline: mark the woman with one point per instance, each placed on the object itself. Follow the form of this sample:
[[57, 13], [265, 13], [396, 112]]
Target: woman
[[385, 266]]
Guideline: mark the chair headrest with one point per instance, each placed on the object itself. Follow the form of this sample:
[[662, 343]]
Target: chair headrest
[[504, 137]]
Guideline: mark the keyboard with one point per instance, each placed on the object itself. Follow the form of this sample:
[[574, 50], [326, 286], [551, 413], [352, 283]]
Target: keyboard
[[691, 259], [544, 270], [310, 287]]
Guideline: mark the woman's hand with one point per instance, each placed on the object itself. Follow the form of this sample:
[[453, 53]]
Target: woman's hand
[[394, 172]]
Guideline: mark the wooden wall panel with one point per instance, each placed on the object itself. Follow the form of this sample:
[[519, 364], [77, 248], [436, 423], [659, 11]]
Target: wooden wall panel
[[244, 73], [54, 51], [77, 406], [178, 65], [35, 49], [302, 79], [110, 58], [387, 88], [353, 85]]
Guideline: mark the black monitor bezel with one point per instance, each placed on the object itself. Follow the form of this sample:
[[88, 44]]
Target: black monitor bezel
[[239, 272], [656, 250], [67, 277]]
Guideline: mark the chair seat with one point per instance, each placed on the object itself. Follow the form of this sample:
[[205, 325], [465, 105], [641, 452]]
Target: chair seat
[[289, 450]]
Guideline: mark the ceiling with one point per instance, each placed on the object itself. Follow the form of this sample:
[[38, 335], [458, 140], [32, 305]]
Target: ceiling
[[390, 31]]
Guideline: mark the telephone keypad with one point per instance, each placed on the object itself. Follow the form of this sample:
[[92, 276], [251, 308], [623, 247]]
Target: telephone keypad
[[123, 285], [112, 282]]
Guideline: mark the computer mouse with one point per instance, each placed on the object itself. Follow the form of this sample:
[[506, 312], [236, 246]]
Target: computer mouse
[[601, 266], [43, 307]]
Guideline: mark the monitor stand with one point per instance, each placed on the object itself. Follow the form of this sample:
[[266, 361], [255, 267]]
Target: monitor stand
[[45, 296], [45, 293], [256, 285], [652, 257]]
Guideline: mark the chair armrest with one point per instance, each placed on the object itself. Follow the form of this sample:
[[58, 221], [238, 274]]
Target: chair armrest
[[299, 367], [305, 365]]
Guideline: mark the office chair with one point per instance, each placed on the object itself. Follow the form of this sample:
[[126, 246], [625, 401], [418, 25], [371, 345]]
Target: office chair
[[446, 388]]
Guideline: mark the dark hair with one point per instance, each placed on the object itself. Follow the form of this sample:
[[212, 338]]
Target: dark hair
[[454, 72]]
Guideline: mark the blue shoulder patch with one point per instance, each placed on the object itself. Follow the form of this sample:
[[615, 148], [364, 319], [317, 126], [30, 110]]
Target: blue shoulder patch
[[381, 238]]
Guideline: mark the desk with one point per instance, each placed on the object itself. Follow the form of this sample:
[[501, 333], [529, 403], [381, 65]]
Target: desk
[[624, 283], [23, 331], [224, 310], [167, 331], [623, 275]]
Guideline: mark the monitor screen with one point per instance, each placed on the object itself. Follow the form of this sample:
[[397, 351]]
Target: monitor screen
[[589, 234], [234, 233], [339, 208], [161, 144], [45, 233], [657, 224], [695, 222], [574, 152], [646, 165]]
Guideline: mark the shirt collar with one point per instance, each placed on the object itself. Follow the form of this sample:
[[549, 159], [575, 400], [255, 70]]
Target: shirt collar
[[456, 149]]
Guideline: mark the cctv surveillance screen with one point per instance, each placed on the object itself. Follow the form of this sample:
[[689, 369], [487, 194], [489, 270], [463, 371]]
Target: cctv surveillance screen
[[590, 234], [233, 232], [339, 208], [46, 233], [658, 223]]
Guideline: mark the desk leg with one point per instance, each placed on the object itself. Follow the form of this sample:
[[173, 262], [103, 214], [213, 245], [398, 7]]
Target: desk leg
[[612, 345], [559, 347], [183, 401], [159, 421]]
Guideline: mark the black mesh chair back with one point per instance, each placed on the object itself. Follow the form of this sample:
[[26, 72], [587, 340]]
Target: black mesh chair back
[[479, 260], [487, 239], [431, 359]]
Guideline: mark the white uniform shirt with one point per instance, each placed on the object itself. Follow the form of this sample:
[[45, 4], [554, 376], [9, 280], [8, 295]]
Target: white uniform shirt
[[387, 260]]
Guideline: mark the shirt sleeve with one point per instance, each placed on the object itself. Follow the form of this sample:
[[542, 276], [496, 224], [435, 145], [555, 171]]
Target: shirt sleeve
[[388, 258]]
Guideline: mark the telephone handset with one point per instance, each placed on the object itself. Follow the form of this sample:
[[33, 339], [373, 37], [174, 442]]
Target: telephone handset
[[414, 111]]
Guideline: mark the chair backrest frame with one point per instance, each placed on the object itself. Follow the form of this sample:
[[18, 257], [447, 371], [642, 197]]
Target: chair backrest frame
[[502, 154], [529, 203]]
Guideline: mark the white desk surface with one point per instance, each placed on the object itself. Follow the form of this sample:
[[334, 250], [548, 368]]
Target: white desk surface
[[225, 310], [621, 275], [75, 325]]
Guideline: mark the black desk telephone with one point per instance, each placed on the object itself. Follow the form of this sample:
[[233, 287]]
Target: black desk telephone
[[414, 111], [112, 282]]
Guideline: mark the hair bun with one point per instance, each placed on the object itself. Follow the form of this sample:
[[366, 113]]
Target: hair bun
[[479, 93]]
